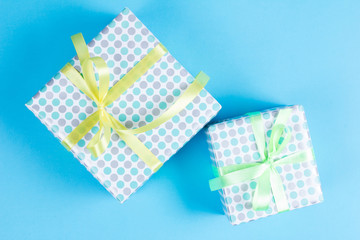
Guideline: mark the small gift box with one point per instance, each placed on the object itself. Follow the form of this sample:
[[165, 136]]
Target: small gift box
[[123, 106], [264, 164]]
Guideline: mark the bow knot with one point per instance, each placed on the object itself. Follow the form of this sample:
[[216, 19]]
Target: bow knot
[[268, 178], [103, 96], [101, 108]]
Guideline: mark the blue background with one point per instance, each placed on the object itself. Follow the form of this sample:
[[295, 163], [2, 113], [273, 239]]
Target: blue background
[[259, 54]]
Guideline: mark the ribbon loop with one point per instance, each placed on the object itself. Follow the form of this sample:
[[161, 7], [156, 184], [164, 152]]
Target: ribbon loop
[[100, 141], [279, 138], [71, 73], [80, 47], [104, 77], [278, 191], [89, 78], [103, 96], [268, 179], [262, 193]]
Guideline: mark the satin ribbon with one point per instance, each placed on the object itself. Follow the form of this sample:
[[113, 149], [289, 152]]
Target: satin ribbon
[[103, 96], [265, 173]]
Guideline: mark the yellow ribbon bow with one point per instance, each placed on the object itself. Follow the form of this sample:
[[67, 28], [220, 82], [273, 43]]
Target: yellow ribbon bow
[[103, 96]]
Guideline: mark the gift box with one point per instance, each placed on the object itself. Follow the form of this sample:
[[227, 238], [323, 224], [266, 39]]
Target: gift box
[[263, 164], [124, 44]]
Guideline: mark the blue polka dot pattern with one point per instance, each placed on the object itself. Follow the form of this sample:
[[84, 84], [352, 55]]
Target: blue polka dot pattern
[[123, 43], [232, 142]]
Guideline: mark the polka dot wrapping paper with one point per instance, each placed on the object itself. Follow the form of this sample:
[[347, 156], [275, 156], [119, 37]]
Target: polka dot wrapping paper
[[233, 142], [61, 106]]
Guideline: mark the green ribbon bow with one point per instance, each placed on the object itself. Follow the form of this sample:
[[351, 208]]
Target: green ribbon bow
[[268, 178]]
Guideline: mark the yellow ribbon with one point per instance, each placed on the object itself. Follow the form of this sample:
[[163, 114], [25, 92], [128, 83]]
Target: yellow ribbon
[[103, 96]]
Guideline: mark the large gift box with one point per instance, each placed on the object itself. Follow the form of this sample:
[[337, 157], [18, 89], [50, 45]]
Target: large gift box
[[264, 164], [150, 103]]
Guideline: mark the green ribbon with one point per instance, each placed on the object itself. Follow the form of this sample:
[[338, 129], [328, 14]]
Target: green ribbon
[[265, 173]]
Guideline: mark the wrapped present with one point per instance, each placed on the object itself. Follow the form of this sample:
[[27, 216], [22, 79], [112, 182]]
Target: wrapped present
[[123, 106], [264, 164]]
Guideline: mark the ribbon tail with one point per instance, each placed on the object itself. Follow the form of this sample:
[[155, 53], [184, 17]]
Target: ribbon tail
[[141, 150], [262, 195], [100, 141], [136, 145], [278, 191]]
